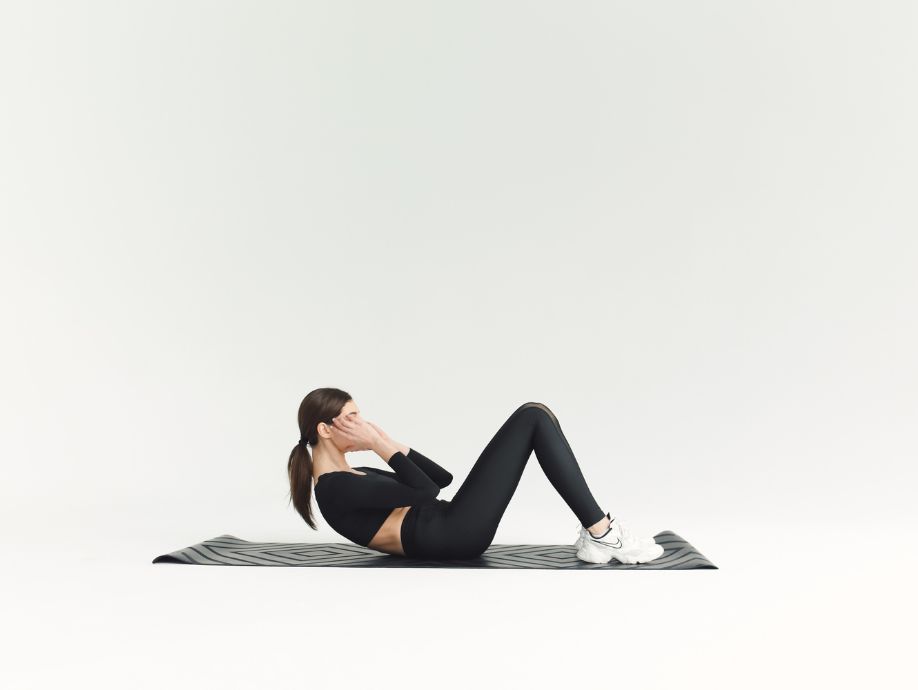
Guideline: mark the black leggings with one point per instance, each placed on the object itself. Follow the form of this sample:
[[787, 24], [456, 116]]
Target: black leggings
[[465, 526]]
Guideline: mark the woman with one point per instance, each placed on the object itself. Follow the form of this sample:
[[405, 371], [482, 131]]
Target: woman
[[399, 513]]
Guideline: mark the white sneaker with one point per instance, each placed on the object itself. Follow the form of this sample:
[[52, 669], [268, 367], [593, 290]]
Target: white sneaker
[[617, 543], [584, 532]]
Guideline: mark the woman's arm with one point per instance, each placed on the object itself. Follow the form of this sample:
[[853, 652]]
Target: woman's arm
[[406, 470], [385, 448], [348, 490], [440, 476], [401, 447], [363, 435]]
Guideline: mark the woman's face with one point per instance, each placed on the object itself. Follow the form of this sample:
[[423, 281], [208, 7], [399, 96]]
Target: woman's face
[[341, 443]]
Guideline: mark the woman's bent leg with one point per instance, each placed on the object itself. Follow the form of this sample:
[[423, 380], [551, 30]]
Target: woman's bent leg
[[476, 510]]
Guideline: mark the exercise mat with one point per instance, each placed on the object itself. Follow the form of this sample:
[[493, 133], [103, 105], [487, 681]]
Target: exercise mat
[[226, 549]]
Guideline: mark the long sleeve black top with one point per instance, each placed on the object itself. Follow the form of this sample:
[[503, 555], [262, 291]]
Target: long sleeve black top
[[356, 506]]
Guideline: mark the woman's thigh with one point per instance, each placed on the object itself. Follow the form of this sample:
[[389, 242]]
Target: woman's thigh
[[474, 513]]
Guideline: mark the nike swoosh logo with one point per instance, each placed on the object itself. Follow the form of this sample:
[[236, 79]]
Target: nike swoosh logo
[[614, 546]]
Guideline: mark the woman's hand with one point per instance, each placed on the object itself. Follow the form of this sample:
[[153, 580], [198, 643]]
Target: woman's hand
[[388, 443], [382, 434], [359, 434]]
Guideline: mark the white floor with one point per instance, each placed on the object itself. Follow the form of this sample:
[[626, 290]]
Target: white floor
[[819, 606]]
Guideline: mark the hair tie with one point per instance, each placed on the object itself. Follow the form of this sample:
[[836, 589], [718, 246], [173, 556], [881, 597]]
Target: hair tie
[[302, 442]]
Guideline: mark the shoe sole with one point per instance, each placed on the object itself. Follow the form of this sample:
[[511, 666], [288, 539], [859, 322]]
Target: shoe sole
[[646, 541], [584, 555], [581, 554]]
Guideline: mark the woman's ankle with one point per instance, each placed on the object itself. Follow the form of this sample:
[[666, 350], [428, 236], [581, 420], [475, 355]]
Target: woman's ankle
[[600, 527]]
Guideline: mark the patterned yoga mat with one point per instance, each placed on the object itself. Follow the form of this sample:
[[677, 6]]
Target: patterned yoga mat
[[226, 549]]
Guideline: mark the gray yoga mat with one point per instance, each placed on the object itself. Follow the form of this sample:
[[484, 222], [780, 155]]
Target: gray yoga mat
[[226, 549]]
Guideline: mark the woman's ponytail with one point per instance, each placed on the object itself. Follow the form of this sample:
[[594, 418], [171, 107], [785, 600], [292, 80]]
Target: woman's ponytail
[[320, 405]]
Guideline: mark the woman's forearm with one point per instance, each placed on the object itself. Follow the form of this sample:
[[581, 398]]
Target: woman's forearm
[[386, 448], [401, 446]]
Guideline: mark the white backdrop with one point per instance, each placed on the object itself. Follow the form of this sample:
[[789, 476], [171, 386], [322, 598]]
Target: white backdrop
[[687, 227]]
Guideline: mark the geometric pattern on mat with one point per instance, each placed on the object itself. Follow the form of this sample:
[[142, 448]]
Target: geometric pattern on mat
[[226, 549]]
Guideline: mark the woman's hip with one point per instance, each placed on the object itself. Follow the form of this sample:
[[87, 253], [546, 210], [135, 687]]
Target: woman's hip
[[433, 530]]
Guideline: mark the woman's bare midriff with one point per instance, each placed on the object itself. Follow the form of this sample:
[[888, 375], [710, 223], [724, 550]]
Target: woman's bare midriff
[[388, 538]]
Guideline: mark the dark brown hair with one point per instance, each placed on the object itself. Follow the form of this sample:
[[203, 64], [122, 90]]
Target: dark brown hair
[[320, 405]]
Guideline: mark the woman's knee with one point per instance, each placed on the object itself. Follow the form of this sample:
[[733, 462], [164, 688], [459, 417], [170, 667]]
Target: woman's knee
[[538, 409]]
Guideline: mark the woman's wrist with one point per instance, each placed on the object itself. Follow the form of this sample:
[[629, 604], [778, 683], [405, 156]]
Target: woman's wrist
[[386, 449], [401, 446]]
